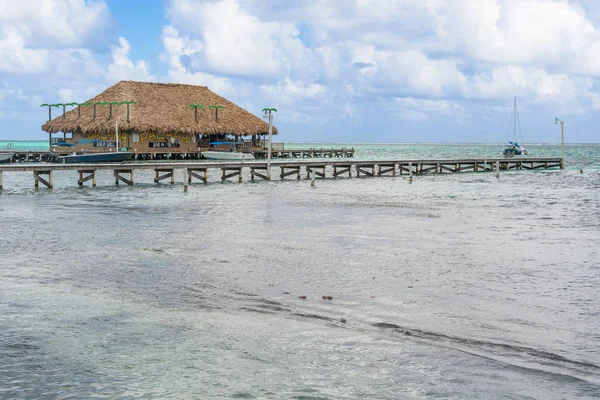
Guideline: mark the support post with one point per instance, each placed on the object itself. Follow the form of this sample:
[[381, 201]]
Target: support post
[[269, 150], [185, 180], [562, 141], [0, 180]]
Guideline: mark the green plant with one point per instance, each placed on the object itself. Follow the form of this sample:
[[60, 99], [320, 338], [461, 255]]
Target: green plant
[[195, 107], [64, 105], [99, 103], [111, 103], [87, 105], [49, 109], [73, 104], [128, 102], [216, 108]]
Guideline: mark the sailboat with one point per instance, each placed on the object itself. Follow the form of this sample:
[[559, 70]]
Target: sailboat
[[513, 148]]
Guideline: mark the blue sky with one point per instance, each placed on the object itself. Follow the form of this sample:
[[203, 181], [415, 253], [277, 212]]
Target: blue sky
[[353, 70]]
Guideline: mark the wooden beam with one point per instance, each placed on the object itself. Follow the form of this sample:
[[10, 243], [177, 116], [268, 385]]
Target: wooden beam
[[442, 166], [361, 168], [193, 172], [117, 174], [169, 173], [91, 175], [254, 173], [236, 172], [295, 170], [343, 170], [386, 168], [37, 176], [428, 169], [310, 168]]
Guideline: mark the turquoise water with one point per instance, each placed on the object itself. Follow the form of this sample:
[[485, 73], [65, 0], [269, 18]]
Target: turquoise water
[[586, 156]]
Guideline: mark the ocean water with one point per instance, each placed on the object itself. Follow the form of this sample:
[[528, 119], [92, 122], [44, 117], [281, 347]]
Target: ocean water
[[457, 286]]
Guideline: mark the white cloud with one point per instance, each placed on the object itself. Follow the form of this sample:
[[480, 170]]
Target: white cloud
[[289, 92], [176, 48], [122, 68], [515, 31], [58, 23], [30, 31], [235, 42]]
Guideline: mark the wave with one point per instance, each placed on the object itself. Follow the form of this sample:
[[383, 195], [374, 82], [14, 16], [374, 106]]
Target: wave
[[511, 354]]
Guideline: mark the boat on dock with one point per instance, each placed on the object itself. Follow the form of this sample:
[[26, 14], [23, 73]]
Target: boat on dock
[[6, 157], [94, 157], [513, 148], [227, 152]]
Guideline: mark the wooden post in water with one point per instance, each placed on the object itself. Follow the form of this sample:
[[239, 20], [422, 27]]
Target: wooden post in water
[[497, 169], [0, 180], [185, 180]]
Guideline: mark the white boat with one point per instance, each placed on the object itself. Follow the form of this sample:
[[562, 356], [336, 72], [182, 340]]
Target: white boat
[[229, 154], [6, 157], [513, 148]]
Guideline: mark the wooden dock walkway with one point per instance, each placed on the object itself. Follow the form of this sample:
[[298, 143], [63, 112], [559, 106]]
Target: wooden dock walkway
[[124, 172]]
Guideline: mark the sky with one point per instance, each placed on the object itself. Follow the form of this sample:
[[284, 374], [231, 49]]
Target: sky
[[336, 70]]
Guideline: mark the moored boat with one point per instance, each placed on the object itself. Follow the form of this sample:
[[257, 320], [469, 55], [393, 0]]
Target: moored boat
[[229, 153], [6, 157], [513, 148], [94, 157]]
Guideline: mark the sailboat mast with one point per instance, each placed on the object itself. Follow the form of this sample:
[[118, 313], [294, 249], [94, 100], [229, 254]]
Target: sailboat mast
[[515, 114]]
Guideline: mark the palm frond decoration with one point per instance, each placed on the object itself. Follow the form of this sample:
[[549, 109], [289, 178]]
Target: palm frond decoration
[[128, 102], [63, 105], [216, 108], [111, 103], [97, 103], [195, 107], [49, 109], [73, 104]]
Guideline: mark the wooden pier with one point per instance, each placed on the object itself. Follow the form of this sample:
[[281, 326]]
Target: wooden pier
[[124, 172]]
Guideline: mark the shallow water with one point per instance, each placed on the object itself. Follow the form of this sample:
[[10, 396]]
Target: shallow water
[[454, 286]]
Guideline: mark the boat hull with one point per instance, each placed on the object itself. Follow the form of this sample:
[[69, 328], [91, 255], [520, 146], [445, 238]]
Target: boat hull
[[94, 158], [6, 157], [222, 155]]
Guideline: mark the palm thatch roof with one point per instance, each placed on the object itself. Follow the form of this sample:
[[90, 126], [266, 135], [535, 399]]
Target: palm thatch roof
[[159, 107]]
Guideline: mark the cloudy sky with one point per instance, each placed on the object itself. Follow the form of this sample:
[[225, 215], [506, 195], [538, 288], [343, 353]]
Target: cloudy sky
[[337, 70]]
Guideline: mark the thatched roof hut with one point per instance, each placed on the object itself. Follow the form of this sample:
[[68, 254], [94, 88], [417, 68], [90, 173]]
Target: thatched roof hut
[[161, 108]]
